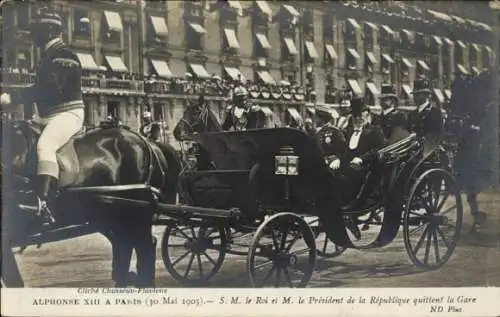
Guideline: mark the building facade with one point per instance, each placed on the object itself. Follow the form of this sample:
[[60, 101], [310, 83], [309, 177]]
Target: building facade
[[136, 53]]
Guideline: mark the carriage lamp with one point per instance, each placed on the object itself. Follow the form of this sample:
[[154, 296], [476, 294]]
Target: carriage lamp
[[287, 163]]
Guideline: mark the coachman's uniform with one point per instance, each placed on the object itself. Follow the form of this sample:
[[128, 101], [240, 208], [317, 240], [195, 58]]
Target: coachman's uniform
[[391, 119]]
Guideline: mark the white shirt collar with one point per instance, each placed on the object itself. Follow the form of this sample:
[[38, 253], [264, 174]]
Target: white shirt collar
[[51, 43]]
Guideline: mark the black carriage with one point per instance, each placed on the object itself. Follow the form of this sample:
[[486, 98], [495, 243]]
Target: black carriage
[[272, 192]]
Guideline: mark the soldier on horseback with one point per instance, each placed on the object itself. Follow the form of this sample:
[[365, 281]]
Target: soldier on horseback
[[57, 94]]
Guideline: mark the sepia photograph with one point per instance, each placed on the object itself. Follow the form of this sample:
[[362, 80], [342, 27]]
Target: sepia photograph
[[250, 144]]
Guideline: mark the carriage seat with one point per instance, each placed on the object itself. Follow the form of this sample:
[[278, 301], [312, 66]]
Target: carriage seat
[[397, 150], [67, 156]]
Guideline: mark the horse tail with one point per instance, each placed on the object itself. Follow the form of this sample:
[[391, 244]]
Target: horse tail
[[169, 190]]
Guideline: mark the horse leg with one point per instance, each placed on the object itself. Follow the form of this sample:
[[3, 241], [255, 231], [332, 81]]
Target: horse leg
[[122, 254], [145, 248]]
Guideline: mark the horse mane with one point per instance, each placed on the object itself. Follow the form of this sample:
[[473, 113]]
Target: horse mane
[[213, 118]]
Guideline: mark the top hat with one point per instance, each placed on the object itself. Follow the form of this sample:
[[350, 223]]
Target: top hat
[[388, 91], [358, 106], [46, 16], [421, 85]]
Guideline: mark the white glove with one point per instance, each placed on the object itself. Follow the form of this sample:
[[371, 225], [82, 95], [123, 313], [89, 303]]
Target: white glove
[[335, 164], [356, 162], [5, 99]]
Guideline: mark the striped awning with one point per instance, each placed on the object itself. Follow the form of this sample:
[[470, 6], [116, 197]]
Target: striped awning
[[116, 64], [114, 21], [373, 89], [231, 38], [264, 42], [354, 86], [331, 51], [290, 45], [266, 77], [87, 61], [199, 70], [161, 68], [159, 25], [311, 50]]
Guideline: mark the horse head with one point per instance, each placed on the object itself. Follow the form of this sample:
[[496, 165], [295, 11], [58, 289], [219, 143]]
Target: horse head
[[197, 118]]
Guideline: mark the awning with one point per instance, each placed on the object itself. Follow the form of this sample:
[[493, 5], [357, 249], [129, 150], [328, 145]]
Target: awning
[[461, 44], [447, 93], [197, 28], [264, 7], [311, 50], [423, 65], [237, 6], [266, 111], [488, 49], [410, 36], [407, 91], [458, 19], [233, 72], [290, 44], [462, 70], [264, 42], [331, 51], [476, 47], [87, 61], [353, 53], [448, 41], [372, 26], [159, 25], [373, 89], [199, 70], [294, 114], [116, 64], [388, 58], [406, 62], [437, 39], [354, 86], [440, 15], [439, 95], [371, 57], [266, 77], [161, 68], [311, 110], [387, 29], [290, 9], [354, 23], [114, 21], [231, 38], [475, 70]]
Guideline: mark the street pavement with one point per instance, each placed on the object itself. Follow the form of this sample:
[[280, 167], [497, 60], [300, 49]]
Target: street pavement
[[86, 262]]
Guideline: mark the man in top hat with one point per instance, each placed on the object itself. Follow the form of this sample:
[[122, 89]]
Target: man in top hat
[[427, 117], [363, 141], [391, 119], [58, 95]]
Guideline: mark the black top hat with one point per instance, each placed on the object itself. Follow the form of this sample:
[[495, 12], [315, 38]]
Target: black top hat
[[421, 84], [388, 91], [358, 106], [47, 16]]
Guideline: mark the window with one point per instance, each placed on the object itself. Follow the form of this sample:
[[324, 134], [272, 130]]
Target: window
[[369, 28], [23, 16], [352, 28], [112, 26], [446, 71], [157, 29], [308, 22], [370, 62], [194, 34], [23, 59], [261, 43], [81, 23], [328, 27], [114, 109], [406, 65], [386, 64]]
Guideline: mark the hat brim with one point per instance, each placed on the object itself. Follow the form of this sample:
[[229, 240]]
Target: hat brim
[[387, 96]]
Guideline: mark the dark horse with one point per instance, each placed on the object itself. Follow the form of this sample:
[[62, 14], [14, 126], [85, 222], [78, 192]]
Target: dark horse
[[101, 157]]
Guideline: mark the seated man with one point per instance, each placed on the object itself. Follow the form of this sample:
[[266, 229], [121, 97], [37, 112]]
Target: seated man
[[392, 120], [363, 141]]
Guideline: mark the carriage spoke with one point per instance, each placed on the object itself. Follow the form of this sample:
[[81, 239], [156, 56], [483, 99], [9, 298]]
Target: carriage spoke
[[188, 269], [181, 231], [419, 243], [287, 276], [193, 232], [301, 251], [278, 277], [428, 245], [437, 188], [325, 245], [283, 239], [269, 274], [295, 239], [414, 230], [445, 241], [419, 215], [180, 258], [263, 264], [209, 257], [275, 242], [441, 204], [449, 209], [436, 246], [200, 266]]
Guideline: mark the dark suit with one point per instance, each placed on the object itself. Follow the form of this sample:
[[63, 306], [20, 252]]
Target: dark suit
[[371, 140]]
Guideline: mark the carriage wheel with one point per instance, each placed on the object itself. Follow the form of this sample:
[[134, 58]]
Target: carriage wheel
[[432, 219], [325, 248], [193, 254], [283, 250]]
